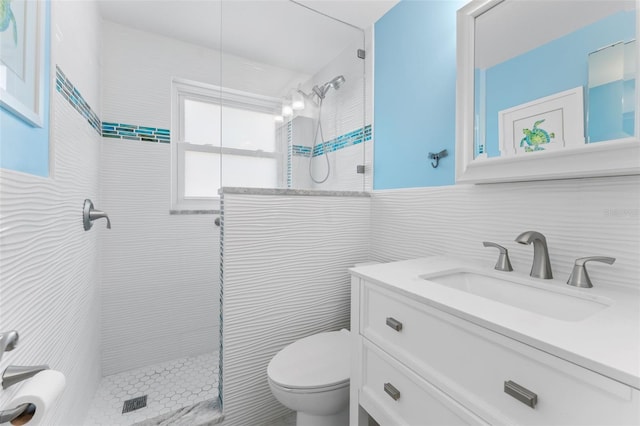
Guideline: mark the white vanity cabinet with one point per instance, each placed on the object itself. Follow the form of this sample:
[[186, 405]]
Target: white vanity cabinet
[[414, 364]]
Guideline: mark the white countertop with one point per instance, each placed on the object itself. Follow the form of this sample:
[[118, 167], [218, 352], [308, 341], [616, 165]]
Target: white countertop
[[607, 342]]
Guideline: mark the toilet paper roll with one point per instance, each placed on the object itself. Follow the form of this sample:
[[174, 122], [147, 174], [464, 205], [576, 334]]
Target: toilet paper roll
[[41, 390]]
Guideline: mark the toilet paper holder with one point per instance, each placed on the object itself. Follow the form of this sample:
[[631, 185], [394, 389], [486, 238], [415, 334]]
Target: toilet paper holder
[[16, 373], [21, 410]]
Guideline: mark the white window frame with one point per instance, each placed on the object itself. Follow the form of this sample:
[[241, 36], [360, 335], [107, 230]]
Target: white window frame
[[182, 89]]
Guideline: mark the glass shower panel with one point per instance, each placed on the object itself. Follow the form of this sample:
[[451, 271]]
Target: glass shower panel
[[159, 288], [306, 73]]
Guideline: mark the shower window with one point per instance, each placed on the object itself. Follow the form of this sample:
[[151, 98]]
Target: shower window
[[203, 156]]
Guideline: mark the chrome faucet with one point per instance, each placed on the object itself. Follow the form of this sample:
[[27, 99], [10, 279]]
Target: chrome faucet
[[89, 214], [541, 267], [97, 214]]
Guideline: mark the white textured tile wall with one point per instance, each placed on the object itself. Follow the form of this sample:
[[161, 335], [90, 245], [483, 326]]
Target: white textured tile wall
[[48, 264], [285, 277], [343, 175], [160, 272], [343, 111], [137, 71], [138, 66], [75, 39], [580, 217]]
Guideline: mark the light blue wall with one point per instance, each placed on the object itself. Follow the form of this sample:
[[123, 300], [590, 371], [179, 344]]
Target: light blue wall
[[415, 86], [553, 67], [23, 147], [607, 119]]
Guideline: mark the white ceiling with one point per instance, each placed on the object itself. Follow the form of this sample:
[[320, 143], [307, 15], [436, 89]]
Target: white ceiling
[[360, 13], [275, 32]]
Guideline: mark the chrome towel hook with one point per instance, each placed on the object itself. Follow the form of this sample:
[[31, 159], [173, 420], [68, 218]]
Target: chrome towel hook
[[437, 157], [89, 214]]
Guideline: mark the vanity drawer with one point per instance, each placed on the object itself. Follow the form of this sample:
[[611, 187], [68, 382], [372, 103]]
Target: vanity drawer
[[472, 364], [396, 396]]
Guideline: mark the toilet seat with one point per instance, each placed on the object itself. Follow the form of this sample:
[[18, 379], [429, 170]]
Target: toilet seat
[[329, 388], [316, 363]]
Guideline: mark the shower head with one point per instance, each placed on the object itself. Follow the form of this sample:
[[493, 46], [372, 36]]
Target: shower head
[[321, 91], [336, 82]]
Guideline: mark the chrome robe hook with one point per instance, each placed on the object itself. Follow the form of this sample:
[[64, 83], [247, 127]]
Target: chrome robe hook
[[437, 157]]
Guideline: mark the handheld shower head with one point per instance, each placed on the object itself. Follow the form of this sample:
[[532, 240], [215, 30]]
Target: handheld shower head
[[321, 91], [336, 82]]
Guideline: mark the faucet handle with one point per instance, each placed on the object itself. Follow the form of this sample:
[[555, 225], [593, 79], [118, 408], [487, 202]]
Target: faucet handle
[[579, 276], [8, 341], [503, 263], [581, 261]]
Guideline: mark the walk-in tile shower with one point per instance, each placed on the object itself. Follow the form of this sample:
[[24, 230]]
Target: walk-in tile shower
[[197, 96]]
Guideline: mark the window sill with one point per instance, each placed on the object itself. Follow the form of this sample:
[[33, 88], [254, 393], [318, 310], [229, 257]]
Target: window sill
[[193, 211]]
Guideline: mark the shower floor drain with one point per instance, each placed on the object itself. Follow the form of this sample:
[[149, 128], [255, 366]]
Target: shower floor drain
[[134, 404]]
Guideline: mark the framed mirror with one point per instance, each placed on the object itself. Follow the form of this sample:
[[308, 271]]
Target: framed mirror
[[547, 90]]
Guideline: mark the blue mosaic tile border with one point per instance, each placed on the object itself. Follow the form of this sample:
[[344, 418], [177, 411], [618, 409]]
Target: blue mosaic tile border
[[136, 133], [301, 150], [289, 155], [154, 134], [73, 96], [108, 130], [348, 139]]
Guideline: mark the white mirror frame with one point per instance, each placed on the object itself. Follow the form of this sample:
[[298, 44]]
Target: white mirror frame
[[612, 158]]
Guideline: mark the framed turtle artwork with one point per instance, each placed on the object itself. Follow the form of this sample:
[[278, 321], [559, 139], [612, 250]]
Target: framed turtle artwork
[[545, 124], [22, 38]]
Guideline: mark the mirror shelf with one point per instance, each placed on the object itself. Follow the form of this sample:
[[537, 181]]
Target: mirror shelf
[[606, 158]]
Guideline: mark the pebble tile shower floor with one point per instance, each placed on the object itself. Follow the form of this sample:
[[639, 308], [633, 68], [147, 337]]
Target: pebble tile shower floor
[[169, 386]]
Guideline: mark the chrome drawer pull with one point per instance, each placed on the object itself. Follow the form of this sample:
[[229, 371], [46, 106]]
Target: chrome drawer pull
[[392, 391], [394, 323], [523, 395]]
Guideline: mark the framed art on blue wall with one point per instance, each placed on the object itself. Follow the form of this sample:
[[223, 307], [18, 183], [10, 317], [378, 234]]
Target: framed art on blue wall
[[22, 38]]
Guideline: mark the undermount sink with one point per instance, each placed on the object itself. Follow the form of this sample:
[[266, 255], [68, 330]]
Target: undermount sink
[[540, 298]]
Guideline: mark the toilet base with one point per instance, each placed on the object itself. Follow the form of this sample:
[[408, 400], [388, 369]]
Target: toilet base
[[340, 418]]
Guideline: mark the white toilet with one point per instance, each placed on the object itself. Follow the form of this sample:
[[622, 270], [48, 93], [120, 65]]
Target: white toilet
[[311, 376]]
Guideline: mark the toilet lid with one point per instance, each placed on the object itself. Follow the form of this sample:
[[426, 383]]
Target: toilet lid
[[316, 361]]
